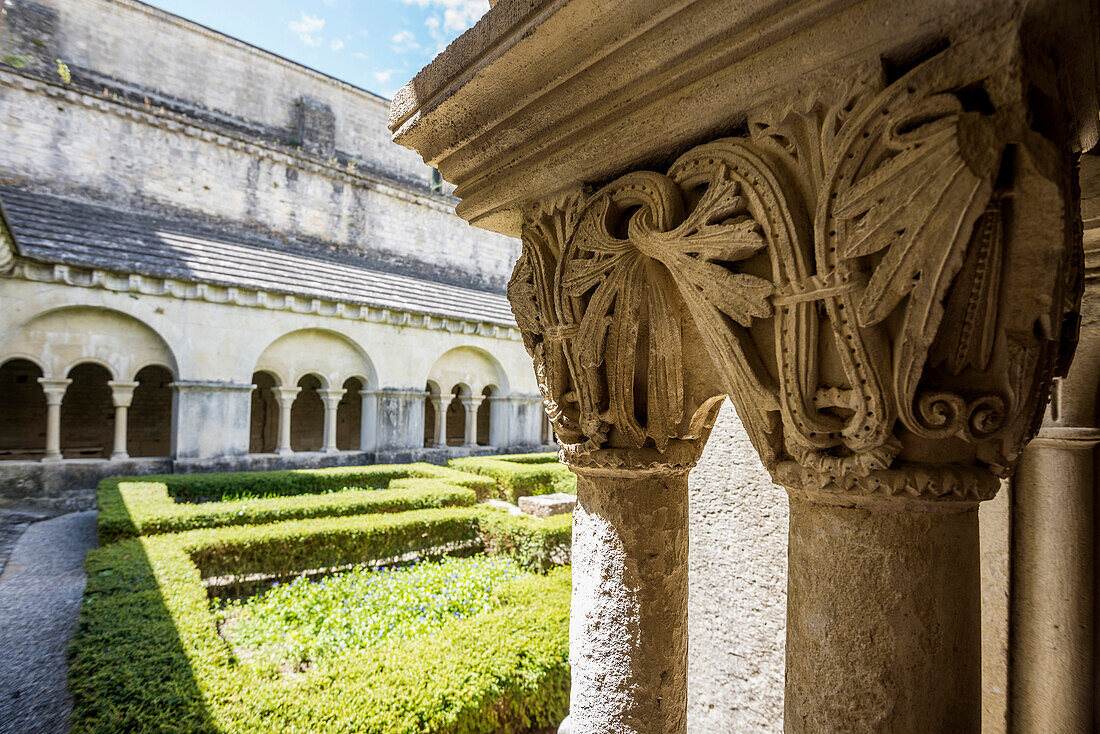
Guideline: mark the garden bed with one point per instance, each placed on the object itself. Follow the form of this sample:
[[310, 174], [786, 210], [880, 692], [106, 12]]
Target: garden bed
[[521, 475], [148, 656]]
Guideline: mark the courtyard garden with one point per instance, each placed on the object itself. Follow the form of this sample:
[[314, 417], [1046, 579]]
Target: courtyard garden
[[381, 599]]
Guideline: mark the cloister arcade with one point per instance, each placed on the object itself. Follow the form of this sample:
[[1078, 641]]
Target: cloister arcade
[[80, 379], [94, 383], [463, 404]]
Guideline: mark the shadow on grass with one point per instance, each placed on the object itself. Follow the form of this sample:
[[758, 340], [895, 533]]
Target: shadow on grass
[[129, 670]]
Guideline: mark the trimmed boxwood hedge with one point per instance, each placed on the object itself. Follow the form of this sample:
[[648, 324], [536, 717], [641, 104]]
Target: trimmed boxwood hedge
[[521, 475], [284, 548], [259, 484], [147, 655], [548, 457], [130, 506]]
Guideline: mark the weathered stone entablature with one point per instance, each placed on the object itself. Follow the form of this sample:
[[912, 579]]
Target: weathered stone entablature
[[862, 226], [178, 289]]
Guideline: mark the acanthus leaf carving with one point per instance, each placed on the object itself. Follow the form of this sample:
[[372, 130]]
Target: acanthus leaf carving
[[843, 274]]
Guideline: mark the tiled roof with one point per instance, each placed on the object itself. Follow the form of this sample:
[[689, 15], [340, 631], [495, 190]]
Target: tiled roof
[[52, 229]]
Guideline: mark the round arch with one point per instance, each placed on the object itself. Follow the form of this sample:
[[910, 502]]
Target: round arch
[[471, 367], [328, 355], [60, 339]]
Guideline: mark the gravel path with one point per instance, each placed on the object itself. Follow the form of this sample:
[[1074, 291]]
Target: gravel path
[[12, 525], [40, 592]]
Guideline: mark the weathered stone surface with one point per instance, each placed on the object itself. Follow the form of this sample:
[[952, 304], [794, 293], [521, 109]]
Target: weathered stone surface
[[180, 201], [858, 227], [628, 641], [737, 587], [548, 505]]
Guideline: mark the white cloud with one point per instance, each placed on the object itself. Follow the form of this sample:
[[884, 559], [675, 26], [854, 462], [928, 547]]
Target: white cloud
[[307, 28], [458, 15], [337, 44], [360, 55], [330, 3], [383, 77], [404, 41]]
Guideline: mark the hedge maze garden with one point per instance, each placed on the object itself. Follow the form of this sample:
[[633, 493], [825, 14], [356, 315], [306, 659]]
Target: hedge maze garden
[[366, 599]]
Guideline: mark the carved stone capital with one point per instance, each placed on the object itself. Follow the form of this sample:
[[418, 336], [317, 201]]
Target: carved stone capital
[[882, 274], [678, 457]]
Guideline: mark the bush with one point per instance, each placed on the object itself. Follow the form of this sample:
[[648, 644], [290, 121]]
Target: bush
[[130, 506], [286, 548], [264, 484], [144, 508], [535, 544], [541, 458], [516, 479], [147, 656]]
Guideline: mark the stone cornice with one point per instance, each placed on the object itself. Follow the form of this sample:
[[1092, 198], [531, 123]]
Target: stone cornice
[[191, 127], [634, 66], [264, 54], [81, 277]]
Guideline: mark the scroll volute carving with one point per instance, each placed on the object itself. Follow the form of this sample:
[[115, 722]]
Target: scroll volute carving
[[878, 275]]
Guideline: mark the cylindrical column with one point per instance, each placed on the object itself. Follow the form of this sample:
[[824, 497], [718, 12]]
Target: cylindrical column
[[285, 397], [331, 399], [440, 420], [883, 616], [368, 422], [471, 405], [54, 388], [628, 622], [1050, 687], [122, 395]]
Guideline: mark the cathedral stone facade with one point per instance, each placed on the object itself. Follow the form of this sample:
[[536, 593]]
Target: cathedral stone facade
[[214, 258]]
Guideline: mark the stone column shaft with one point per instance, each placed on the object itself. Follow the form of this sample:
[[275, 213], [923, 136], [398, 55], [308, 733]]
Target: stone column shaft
[[628, 622], [1051, 683], [122, 395], [440, 420], [883, 617], [54, 388], [285, 397], [471, 405], [331, 399], [368, 422]]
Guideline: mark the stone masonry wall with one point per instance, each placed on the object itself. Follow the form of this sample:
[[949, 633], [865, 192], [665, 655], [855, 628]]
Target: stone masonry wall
[[737, 588], [176, 62], [738, 592], [214, 134]]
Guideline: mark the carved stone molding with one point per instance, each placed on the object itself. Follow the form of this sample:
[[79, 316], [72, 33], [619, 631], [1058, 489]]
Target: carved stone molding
[[882, 274]]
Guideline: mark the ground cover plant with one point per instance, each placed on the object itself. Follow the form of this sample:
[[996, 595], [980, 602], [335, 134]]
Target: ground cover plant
[[521, 475], [147, 655], [131, 506], [309, 621]]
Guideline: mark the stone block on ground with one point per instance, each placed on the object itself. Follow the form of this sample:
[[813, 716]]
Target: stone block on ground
[[547, 505]]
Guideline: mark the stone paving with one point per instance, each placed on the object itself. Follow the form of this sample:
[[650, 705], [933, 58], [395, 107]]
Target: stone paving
[[40, 593]]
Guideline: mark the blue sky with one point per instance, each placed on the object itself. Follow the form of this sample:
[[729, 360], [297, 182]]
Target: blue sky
[[375, 44]]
